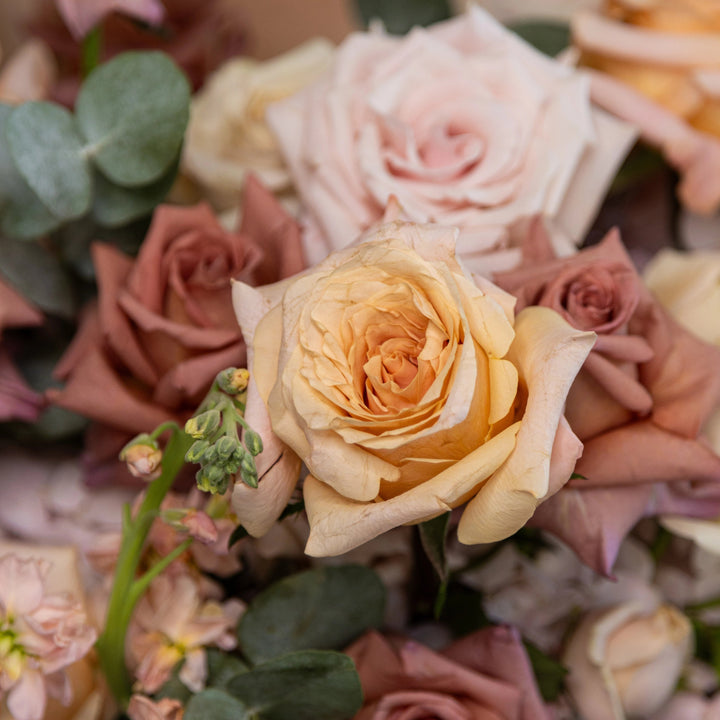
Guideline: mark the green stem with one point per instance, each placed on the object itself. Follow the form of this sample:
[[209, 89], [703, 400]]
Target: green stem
[[91, 50], [111, 643]]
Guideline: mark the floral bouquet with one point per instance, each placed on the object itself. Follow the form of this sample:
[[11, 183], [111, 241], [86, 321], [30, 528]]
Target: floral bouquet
[[360, 360]]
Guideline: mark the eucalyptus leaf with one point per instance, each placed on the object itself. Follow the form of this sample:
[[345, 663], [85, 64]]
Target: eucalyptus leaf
[[307, 685], [133, 111], [22, 215], [324, 608], [222, 666], [48, 151], [546, 36], [215, 704], [38, 275], [114, 205]]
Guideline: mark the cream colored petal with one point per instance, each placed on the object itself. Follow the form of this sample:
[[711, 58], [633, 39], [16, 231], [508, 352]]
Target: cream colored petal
[[548, 353], [503, 388], [338, 524], [706, 533]]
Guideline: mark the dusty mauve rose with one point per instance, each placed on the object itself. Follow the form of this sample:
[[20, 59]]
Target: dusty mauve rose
[[627, 659], [228, 137], [638, 404], [687, 706], [407, 388], [485, 675], [464, 122], [164, 324], [17, 400]]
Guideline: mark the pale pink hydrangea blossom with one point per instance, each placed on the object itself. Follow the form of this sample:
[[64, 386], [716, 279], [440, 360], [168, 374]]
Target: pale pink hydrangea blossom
[[40, 636]]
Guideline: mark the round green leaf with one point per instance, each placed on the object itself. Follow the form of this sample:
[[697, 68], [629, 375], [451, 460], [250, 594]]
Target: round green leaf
[[133, 112], [217, 705], [308, 685], [48, 152], [325, 608], [115, 206]]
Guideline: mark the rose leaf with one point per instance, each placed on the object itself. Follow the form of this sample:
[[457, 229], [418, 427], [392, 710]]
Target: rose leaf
[[307, 685], [399, 16], [325, 608], [114, 205], [133, 112], [47, 150], [216, 704]]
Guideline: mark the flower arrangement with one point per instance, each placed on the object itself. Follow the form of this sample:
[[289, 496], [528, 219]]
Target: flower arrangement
[[370, 380]]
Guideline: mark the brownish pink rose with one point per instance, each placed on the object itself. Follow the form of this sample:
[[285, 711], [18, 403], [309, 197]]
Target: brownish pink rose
[[486, 676], [164, 324], [638, 404]]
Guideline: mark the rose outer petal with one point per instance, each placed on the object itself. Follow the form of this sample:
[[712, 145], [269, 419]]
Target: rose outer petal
[[549, 353], [338, 524]]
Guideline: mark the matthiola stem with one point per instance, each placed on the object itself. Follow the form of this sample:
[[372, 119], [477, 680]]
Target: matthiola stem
[[127, 589], [91, 50]]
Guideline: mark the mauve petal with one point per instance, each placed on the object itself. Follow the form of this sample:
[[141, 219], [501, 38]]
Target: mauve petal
[[274, 231], [594, 522], [93, 378], [113, 268], [188, 381], [641, 452], [498, 652], [18, 401], [81, 16], [377, 664]]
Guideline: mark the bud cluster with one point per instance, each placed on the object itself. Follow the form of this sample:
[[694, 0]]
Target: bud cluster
[[225, 445]]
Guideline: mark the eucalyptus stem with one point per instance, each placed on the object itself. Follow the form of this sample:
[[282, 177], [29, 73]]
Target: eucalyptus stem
[[91, 50], [127, 590]]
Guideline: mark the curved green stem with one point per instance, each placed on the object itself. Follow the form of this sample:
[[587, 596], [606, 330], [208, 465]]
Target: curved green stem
[[124, 596], [91, 50]]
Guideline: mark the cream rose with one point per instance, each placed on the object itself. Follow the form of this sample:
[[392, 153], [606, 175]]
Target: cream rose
[[464, 122], [626, 660], [408, 389], [228, 137]]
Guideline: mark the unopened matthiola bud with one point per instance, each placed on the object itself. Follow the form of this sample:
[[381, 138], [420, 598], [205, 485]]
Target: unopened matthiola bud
[[253, 442], [233, 380], [196, 451], [248, 471], [212, 478], [143, 457], [203, 425], [225, 447]]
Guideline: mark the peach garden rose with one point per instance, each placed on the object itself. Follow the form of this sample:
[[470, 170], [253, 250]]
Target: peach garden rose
[[407, 388], [464, 122]]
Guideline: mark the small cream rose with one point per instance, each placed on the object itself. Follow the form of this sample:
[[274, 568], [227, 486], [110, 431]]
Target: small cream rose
[[227, 136], [408, 389], [625, 661]]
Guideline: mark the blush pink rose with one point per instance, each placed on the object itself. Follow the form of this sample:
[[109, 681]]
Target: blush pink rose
[[486, 675], [463, 122], [164, 324], [638, 404]]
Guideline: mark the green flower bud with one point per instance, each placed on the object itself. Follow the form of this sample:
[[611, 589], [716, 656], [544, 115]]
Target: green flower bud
[[233, 380], [253, 442], [248, 471], [212, 478], [196, 451], [225, 447], [203, 425]]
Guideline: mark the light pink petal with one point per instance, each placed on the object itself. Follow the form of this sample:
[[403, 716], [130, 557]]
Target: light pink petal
[[26, 700], [81, 16]]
